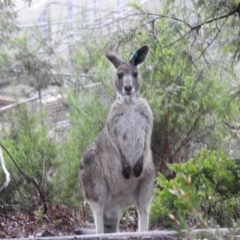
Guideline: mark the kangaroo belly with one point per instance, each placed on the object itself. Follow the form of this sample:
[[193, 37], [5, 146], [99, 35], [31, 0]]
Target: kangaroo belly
[[122, 193], [131, 132]]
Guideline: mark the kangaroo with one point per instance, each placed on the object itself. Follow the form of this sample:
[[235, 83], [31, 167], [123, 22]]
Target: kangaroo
[[117, 170]]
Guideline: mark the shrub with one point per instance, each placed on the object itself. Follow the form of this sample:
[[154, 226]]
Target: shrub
[[34, 152], [206, 185]]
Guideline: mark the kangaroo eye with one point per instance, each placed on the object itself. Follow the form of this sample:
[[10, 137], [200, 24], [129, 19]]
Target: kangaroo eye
[[135, 74], [120, 75]]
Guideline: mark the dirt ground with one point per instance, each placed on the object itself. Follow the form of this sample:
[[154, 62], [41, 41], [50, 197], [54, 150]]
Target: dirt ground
[[59, 221]]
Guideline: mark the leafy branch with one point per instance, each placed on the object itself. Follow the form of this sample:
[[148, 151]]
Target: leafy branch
[[225, 16], [192, 28]]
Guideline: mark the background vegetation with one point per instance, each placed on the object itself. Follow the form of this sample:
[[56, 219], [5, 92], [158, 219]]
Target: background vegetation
[[191, 82]]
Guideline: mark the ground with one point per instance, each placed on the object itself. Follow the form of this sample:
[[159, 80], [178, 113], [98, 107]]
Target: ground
[[59, 221]]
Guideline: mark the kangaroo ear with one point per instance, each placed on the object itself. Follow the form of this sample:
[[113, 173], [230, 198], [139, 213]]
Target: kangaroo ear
[[113, 58], [139, 56]]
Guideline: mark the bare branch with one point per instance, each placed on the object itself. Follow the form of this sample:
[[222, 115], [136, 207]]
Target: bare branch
[[28, 178], [198, 26], [186, 139], [5, 171], [225, 16], [169, 17], [210, 43], [177, 40]]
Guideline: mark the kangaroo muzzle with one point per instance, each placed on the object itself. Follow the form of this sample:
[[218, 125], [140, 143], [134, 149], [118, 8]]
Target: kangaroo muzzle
[[127, 85]]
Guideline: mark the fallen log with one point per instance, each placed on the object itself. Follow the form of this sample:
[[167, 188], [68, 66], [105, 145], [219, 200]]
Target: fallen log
[[221, 232]]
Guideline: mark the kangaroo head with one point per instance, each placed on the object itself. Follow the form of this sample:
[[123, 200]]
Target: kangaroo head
[[128, 79]]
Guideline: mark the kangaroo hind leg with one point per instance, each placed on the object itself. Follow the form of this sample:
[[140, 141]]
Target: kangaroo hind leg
[[145, 193], [98, 216], [93, 184]]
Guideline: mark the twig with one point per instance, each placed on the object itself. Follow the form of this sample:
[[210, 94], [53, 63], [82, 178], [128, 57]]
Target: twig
[[210, 43], [6, 232], [236, 10], [28, 178], [14, 220], [5, 171], [198, 215], [177, 40], [186, 139], [169, 17], [198, 26]]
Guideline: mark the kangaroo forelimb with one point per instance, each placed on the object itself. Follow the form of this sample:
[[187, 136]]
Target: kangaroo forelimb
[[138, 167]]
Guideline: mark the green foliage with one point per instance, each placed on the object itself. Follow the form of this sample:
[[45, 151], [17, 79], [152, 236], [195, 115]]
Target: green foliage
[[135, 5], [36, 65], [92, 65], [8, 30], [86, 115], [205, 185], [56, 174], [34, 152], [8, 26]]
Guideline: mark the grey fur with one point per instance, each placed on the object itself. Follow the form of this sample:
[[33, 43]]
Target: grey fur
[[117, 171]]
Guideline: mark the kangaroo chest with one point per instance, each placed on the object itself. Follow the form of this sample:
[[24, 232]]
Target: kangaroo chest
[[129, 129]]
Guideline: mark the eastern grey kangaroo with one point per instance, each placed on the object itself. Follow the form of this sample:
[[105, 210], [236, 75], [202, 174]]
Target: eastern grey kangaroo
[[117, 170]]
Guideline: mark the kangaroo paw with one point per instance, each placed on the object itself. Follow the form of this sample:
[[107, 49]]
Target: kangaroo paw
[[138, 167], [126, 171]]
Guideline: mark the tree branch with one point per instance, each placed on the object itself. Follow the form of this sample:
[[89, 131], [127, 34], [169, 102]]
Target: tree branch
[[186, 139], [210, 43], [236, 10], [198, 26]]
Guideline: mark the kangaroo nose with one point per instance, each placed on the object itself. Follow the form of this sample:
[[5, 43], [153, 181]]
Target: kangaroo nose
[[128, 89]]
